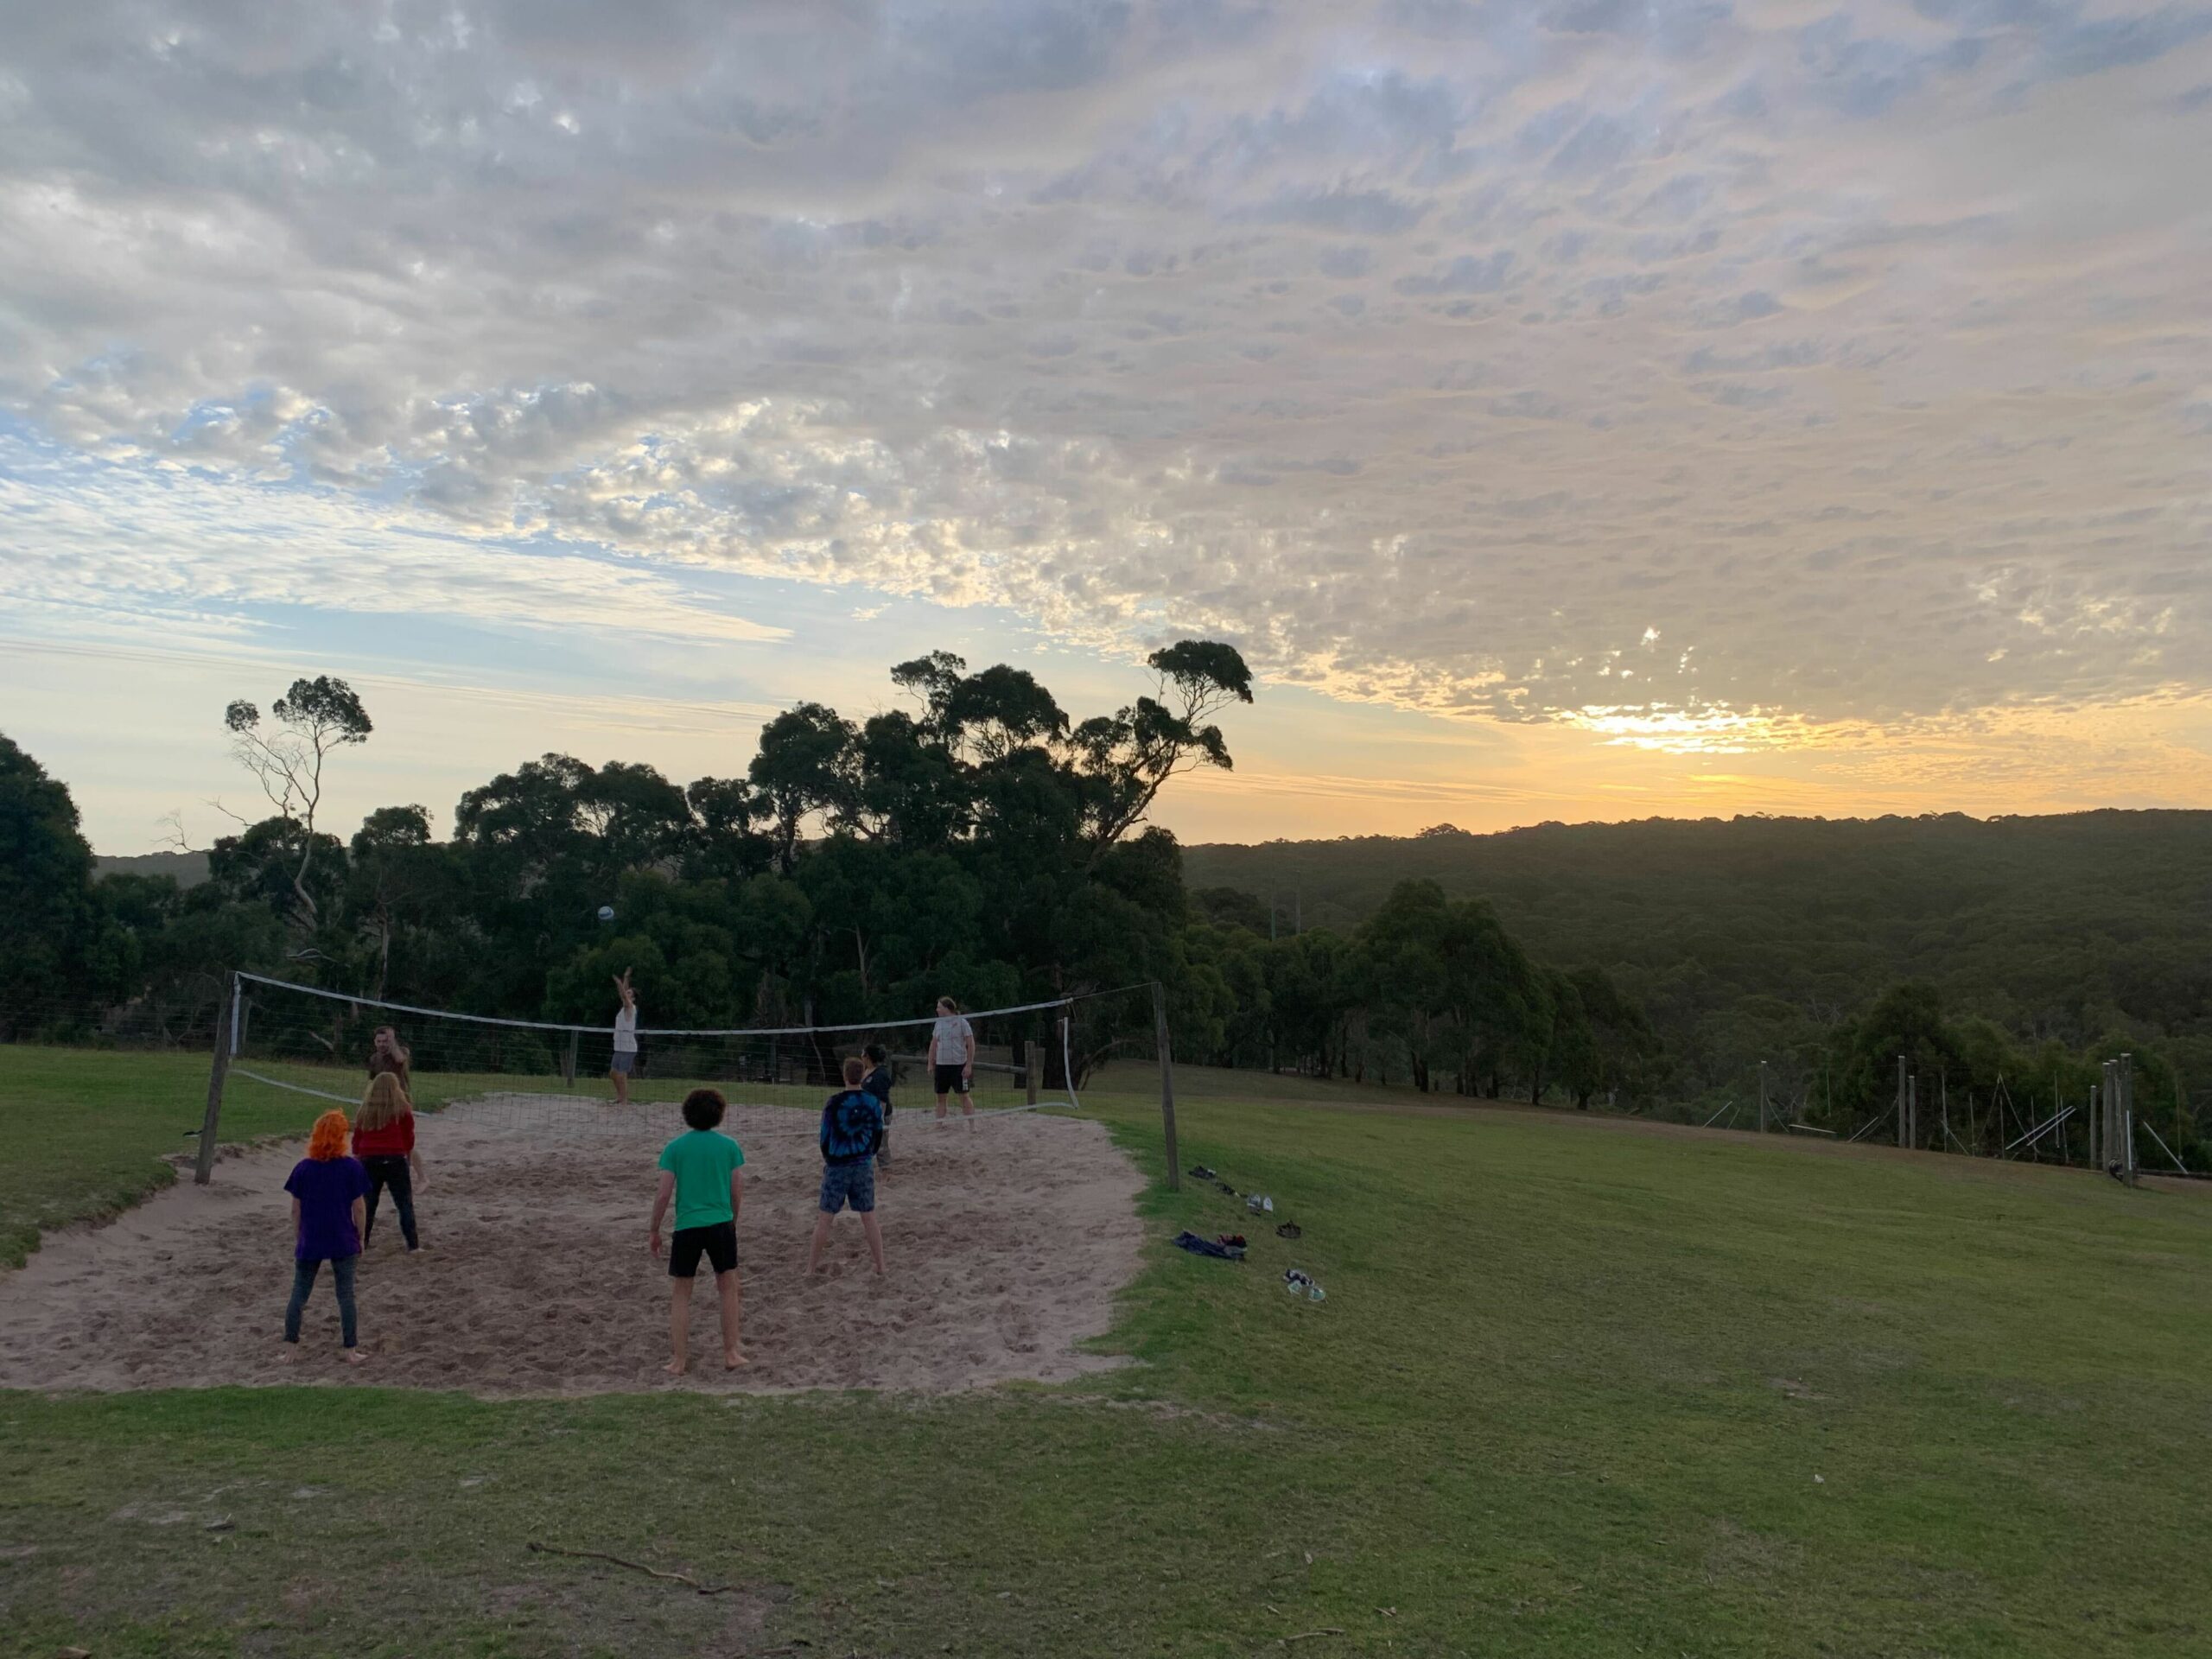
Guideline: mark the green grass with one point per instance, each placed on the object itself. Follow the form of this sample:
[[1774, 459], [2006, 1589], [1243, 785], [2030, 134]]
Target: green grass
[[1568, 1396], [86, 1131]]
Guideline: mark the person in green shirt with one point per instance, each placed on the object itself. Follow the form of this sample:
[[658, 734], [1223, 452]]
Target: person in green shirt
[[702, 1170]]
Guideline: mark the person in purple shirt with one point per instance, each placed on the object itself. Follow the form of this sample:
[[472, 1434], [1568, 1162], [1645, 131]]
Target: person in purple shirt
[[330, 1193]]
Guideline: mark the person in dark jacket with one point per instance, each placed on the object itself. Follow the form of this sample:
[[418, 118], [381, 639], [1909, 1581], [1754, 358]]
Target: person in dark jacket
[[878, 1083]]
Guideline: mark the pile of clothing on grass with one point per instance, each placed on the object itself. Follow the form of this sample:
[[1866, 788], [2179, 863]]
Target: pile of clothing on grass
[[1232, 1247]]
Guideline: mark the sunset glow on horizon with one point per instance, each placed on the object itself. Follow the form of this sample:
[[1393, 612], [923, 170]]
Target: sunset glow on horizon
[[1571, 410]]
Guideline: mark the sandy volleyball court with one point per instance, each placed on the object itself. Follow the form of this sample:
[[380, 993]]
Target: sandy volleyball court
[[1005, 1250]]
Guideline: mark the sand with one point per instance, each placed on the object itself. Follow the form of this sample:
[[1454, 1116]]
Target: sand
[[1007, 1248]]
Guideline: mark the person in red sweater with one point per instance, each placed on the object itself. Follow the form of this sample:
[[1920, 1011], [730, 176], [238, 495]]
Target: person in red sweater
[[383, 1140]]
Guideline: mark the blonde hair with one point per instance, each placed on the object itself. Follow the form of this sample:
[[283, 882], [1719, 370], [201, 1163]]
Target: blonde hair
[[385, 1104], [328, 1139]]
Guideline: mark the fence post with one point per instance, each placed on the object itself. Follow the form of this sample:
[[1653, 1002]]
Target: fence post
[[203, 1167], [1166, 1084], [2127, 1117]]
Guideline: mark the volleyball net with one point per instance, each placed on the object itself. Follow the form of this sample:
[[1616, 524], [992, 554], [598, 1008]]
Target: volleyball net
[[307, 1042]]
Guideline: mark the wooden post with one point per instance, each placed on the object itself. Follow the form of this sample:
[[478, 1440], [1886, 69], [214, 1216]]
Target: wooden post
[[203, 1166], [1031, 1056], [1900, 1099], [568, 1068], [1167, 1085]]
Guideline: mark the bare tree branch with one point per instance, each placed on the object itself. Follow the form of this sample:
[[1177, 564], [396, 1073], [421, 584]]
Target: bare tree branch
[[313, 718]]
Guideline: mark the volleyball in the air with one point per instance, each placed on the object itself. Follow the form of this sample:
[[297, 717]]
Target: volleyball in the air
[[607, 912]]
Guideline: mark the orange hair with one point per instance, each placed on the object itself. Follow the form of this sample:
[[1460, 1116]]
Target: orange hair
[[328, 1139]]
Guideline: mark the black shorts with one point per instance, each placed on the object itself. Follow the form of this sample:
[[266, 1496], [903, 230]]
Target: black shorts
[[949, 1080], [718, 1243]]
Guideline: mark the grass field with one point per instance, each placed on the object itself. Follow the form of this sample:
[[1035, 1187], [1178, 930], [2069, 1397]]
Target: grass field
[[1578, 1389], [86, 1130]]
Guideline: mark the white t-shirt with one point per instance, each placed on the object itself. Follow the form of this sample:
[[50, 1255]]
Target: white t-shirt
[[626, 1030], [951, 1039]]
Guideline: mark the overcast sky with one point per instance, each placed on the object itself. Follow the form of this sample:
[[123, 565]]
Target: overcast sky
[[1573, 409]]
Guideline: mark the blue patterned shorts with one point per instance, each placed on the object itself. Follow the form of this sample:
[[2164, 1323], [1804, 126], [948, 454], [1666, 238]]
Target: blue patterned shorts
[[853, 1184]]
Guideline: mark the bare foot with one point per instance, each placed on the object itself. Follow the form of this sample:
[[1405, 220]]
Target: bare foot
[[355, 1357], [732, 1359], [289, 1354], [676, 1367]]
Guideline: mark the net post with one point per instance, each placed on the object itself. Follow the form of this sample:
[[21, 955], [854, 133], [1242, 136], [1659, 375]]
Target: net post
[[1166, 1084], [574, 1037], [203, 1163], [1030, 1055]]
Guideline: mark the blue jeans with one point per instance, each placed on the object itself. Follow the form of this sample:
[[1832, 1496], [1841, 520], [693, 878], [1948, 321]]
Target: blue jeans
[[341, 1276]]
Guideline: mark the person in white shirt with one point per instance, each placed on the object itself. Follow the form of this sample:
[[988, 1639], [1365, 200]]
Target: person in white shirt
[[625, 1038], [952, 1059]]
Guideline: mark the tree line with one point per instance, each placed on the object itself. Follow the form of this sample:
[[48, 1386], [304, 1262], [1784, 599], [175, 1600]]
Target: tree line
[[981, 842], [2014, 952], [977, 843]]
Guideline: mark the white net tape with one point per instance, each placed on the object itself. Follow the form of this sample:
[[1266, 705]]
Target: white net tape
[[311, 1044]]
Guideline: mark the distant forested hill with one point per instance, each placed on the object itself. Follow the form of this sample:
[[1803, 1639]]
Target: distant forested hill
[[186, 869], [1741, 934]]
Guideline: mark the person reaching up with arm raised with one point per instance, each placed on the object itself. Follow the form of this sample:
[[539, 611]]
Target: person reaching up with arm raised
[[626, 1038], [388, 1054]]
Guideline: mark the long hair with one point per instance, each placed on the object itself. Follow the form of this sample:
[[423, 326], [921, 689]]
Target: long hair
[[328, 1140], [385, 1104]]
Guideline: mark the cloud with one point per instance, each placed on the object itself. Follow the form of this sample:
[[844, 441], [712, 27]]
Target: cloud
[[114, 549], [1134, 319]]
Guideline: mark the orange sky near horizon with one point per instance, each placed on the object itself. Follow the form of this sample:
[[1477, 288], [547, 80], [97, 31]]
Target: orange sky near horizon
[[134, 745], [1571, 412]]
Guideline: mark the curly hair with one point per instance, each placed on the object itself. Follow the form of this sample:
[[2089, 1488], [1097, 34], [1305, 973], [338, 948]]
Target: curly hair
[[327, 1140], [703, 1108]]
